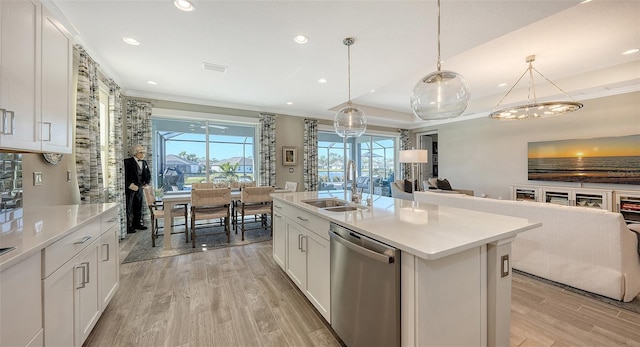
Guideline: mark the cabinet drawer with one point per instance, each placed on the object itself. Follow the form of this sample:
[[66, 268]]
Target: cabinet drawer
[[109, 219], [63, 250], [310, 221]]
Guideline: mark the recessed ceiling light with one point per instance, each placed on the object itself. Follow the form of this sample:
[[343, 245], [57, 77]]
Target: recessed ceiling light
[[322, 80], [153, 83], [585, 1], [301, 39], [184, 5], [289, 103], [631, 51], [502, 85], [131, 41], [372, 91]]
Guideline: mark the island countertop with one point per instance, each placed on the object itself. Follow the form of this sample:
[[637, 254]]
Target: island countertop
[[32, 229], [425, 230]]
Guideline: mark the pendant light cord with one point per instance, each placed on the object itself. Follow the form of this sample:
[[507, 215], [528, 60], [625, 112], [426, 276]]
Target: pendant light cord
[[438, 35], [349, 69]]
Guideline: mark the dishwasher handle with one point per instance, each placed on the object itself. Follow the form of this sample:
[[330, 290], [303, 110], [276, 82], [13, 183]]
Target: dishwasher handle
[[383, 258]]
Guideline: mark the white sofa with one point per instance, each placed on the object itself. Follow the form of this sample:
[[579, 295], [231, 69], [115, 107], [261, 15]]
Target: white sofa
[[585, 248]]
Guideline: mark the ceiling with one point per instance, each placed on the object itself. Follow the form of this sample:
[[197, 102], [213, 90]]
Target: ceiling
[[577, 46]]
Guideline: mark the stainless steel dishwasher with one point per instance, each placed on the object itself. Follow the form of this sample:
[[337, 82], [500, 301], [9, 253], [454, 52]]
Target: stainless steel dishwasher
[[365, 289]]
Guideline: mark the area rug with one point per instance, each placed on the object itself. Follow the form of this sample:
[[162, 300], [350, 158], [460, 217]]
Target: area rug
[[633, 305], [143, 250]]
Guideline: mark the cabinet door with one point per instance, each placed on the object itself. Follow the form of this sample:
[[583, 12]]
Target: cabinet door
[[318, 273], [296, 258], [56, 86], [108, 270], [88, 304], [19, 74], [59, 296], [21, 302], [279, 239]]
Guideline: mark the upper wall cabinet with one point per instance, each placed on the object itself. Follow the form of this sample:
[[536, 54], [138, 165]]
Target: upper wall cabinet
[[57, 61], [20, 23], [35, 79]]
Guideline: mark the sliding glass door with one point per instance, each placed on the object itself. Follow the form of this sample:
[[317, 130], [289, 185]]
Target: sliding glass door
[[374, 156]]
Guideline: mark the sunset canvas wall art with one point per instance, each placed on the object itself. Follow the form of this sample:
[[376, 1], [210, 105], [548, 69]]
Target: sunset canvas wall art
[[613, 160]]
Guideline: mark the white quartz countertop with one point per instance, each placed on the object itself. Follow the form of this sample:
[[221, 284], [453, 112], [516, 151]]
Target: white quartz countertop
[[31, 229], [424, 230]]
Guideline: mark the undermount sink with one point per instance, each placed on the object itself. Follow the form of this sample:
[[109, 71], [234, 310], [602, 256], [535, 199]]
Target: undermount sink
[[333, 205], [324, 203], [343, 208]]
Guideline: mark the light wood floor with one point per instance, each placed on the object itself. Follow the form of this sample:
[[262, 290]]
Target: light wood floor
[[238, 296]]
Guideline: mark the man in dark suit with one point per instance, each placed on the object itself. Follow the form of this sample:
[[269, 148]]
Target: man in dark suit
[[136, 176]]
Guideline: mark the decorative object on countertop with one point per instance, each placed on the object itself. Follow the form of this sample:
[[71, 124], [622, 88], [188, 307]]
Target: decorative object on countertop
[[350, 121], [534, 109], [440, 94]]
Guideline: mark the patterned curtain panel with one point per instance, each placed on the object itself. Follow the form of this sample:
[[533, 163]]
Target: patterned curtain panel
[[267, 149], [310, 155], [115, 179], [88, 163], [405, 143]]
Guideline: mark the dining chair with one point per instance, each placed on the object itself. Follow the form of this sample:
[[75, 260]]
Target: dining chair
[[156, 210], [291, 186], [203, 185], [255, 201], [210, 204]]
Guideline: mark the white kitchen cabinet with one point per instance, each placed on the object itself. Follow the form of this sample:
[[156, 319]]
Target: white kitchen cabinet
[[108, 263], [308, 256], [35, 79], [21, 303], [20, 23], [57, 61], [80, 276], [279, 236]]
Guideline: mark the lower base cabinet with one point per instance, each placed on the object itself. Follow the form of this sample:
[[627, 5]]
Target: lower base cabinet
[[305, 240], [21, 303], [76, 294]]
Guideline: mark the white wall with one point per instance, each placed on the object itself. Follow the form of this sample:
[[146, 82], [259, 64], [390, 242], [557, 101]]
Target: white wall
[[488, 155], [290, 132]]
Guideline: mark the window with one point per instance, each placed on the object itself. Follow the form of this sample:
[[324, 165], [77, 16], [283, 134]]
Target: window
[[188, 151]]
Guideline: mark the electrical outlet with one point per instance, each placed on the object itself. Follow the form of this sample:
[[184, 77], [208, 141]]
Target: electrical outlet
[[37, 178], [68, 175]]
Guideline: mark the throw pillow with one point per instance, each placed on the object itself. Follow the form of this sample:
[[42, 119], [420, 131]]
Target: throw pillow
[[408, 186], [444, 184]]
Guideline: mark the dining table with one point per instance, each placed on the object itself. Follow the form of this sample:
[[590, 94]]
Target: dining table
[[173, 198]]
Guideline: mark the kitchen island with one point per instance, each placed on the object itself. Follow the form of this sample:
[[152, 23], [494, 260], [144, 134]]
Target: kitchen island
[[455, 272]]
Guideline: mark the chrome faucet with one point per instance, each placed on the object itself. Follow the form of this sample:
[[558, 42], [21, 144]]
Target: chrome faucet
[[355, 197]]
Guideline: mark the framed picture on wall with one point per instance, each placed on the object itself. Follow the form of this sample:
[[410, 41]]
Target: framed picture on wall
[[289, 155]]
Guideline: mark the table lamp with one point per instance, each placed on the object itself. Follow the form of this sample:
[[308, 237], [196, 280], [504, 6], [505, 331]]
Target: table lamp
[[414, 157]]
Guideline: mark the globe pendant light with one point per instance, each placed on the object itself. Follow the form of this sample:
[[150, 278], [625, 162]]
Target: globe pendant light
[[440, 94], [534, 109], [350, 121]]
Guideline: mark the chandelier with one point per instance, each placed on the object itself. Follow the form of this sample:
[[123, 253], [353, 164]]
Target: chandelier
[[534, 109]]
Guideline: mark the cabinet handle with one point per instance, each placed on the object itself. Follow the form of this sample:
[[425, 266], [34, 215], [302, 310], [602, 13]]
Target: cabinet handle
[[82, 282], [302, 219], [83, 240], [48, 132], [277, 206], [618, 208], [108, 255], [8, 122], [3, 113], [299, 241], [87, 264], [113, 219], [302, 244]]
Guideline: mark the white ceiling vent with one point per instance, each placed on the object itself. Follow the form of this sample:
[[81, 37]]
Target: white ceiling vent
[[214, 67]]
